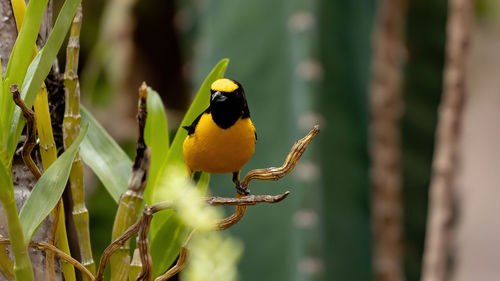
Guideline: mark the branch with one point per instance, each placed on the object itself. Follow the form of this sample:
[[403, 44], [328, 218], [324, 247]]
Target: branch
[[270, 174], [30, 142], [246, 200]]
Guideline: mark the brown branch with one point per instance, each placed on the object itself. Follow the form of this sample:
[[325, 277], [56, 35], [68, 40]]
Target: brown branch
[[178, 267], [30, 142], [48, 247], [246, 200], [442, 194], [143, 223], [143, 244], [114, 246], [272, 173], [386, 105]]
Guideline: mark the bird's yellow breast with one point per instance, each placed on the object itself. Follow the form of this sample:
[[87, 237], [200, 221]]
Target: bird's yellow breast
[[215, 150]]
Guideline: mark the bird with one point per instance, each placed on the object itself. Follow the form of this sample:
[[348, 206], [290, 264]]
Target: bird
[[222, 138]]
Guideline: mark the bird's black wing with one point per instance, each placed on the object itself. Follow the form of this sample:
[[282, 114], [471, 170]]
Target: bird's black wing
[[190, 129], [255, 132]]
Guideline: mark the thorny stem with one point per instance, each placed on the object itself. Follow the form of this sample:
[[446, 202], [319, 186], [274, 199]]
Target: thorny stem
[[130, 203]]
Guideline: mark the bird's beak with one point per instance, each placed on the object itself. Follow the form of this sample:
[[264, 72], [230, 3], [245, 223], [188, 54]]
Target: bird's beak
[[218, 97]]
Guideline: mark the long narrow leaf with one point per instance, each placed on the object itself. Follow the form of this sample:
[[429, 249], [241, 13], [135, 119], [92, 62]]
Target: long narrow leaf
[[105, 157], [6, 189], [156, 134], [167, 231], [22, 51], [40, 66], [48, 190]]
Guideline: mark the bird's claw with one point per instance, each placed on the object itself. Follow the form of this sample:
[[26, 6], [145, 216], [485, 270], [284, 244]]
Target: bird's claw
[[242, 191]]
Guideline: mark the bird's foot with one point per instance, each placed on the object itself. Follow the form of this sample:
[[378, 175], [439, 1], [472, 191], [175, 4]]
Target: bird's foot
[[242, 191]]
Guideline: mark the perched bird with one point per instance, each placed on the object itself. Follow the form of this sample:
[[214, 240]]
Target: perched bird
[[222, 138]]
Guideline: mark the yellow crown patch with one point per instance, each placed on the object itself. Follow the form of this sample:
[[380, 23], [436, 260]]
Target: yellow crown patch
[[224, 85]]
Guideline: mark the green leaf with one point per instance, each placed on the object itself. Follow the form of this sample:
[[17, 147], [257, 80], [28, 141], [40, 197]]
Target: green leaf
[[48, 189], [156, 134], [6, 188], [41, 65], [105, 157], [200, 103], [22, 53], [167, 231]]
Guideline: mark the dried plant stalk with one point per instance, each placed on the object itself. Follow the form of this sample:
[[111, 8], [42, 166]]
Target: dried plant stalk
[[442, 192], [130, 203], [271, 174], [386, 105]]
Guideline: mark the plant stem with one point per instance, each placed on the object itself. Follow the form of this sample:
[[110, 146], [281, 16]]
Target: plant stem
[[71, 128], [128, 210], [48, 153], [22, 263], [130, 203], [135, 266]]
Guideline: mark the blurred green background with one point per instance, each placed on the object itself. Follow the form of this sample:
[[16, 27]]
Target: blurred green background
[[301, 63]]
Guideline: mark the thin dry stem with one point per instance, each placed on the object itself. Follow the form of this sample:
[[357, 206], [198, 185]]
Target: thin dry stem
[[442, 194], [30, 142], [181, 261], [270, 174], [178, 267]]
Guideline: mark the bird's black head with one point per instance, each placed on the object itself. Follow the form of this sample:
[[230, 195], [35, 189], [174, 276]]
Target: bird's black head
[[227, 102]]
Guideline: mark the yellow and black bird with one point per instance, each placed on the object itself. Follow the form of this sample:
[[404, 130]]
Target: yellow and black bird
[[222, 138]]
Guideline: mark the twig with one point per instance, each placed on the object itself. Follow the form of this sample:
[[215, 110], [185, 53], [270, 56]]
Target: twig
[[181, 261], [48, 247], [30, 142], [270, 174], [246, 200], [442, 194], [143, 244], [386, 105]]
